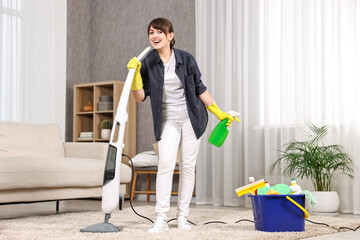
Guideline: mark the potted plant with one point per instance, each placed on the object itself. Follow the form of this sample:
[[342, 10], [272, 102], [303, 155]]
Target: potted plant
[[313, 160], [106, 126]]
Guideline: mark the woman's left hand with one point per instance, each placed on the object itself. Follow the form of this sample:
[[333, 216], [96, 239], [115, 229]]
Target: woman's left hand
[[222, 115]]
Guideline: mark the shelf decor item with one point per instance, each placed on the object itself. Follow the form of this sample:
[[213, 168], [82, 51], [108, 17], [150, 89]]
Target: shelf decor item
[[320, 163], [106, 126], [89, 107], [105, 103], [86, 136]]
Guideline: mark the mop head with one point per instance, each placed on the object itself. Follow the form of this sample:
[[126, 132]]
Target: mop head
[[101, 228]]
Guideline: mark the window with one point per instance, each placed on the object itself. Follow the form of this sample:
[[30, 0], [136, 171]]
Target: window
[[308, 57], [11, 61]]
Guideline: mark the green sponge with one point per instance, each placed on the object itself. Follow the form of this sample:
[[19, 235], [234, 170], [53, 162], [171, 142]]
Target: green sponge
[[281, 188]]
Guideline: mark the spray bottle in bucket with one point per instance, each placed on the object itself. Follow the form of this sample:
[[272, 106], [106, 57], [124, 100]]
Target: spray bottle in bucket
[[220, 132]]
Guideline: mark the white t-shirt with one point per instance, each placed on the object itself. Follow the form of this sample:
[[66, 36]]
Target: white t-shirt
[[173, 101]]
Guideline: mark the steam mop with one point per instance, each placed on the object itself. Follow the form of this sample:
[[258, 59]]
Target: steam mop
[[111, 183]]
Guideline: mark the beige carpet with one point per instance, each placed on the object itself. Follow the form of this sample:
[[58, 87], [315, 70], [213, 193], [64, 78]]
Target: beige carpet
[[67, 226]]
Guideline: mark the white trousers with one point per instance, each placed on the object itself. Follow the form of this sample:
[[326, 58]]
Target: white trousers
[[176, 133]]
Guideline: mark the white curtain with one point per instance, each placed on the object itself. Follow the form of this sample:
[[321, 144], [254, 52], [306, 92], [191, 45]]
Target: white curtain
[[33, 88], [11, 60], [280, 64]]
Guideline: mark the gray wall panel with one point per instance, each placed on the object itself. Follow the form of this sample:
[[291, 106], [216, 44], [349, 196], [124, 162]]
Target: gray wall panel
[[103, 35], [78, 53]]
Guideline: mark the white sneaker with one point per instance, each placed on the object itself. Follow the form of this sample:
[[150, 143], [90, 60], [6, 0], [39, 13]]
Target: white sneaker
[[160, 225], [183, 223]]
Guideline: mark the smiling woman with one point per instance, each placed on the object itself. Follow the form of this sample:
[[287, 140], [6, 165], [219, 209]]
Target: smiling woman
[[179, 99]]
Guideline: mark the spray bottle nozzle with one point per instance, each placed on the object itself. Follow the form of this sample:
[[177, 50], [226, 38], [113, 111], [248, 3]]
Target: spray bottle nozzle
[[233, 113]]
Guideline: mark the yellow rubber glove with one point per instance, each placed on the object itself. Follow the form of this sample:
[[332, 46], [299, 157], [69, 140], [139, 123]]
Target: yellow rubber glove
[[221, 115], [137, 83]]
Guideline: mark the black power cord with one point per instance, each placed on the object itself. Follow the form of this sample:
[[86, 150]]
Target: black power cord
[[244, 220], [131, 186], [327, 225], [216, 221], [338, 229], [349, 228], [176, 218]]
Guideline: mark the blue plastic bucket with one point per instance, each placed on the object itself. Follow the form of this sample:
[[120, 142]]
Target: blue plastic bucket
[[276, 213]]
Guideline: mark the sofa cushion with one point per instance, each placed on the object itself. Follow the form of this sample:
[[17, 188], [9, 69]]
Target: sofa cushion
[[19, 139], [23, 173], [145, 159]]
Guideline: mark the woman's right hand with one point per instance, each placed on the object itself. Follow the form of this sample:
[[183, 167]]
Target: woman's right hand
[[137, 83]]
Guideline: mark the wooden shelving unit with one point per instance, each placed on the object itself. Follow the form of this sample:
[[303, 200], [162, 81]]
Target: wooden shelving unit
[[89, 121]]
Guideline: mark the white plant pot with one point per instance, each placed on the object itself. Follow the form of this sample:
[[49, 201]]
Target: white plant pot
[[105, 133], [327, 202]]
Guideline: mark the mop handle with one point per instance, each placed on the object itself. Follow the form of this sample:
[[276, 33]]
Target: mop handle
[[143, 54], [298, 205]]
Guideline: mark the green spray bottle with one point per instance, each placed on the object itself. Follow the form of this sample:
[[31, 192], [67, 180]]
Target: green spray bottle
[[220, 132]]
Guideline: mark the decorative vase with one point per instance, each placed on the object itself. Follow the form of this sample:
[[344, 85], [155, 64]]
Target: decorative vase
[[327, 202], [89, 107], [105, 133]]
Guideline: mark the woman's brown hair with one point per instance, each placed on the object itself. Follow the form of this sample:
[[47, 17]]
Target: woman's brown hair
[[164, 25]]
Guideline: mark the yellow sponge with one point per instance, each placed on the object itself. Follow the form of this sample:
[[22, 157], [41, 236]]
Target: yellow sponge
[[272, 192]]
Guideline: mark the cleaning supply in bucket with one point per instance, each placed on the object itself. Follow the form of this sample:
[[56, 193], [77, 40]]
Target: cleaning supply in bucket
[[252, 180], [273, 208], [250, 188], [220, 132], [279, 213], [295, 188], [309, 196], [281, 188], [272, 192]]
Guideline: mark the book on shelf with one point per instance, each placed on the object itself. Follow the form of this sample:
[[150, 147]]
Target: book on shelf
[[85, 138], [86, 134]]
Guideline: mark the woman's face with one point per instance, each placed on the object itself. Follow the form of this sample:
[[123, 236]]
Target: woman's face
[[159, 39]]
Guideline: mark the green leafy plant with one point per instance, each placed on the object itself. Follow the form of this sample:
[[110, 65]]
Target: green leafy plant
[[106, 124], [313, 160]]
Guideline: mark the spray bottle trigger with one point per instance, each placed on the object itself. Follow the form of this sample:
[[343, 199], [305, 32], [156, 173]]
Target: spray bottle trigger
[[233, 113]]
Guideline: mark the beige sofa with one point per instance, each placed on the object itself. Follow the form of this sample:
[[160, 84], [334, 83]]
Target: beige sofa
[[35, 165]]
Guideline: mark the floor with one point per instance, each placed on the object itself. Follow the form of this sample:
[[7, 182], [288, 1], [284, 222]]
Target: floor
[[48, 208]]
